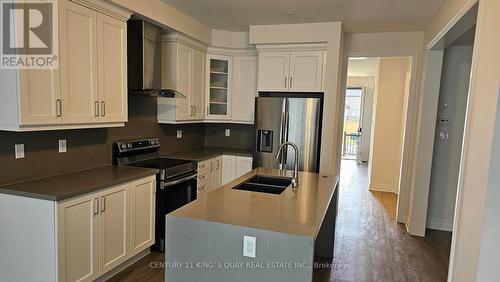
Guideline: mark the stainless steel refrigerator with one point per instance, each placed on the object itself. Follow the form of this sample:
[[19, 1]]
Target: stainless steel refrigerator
[[282, 119]]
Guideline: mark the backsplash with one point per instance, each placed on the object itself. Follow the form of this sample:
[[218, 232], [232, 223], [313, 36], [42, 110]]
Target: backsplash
[[89, 148], [241, 136]]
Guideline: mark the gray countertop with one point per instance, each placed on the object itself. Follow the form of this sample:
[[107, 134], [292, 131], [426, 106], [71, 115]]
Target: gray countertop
[[204, 153], [298, 211], [61, 187]]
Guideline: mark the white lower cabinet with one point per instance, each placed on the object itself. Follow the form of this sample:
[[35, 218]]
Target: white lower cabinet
[[78, 239], [234, 167], [98, 232], [142, 214], [209, 175], [243, 165], [113, 227], [228, 169], [220, 170]]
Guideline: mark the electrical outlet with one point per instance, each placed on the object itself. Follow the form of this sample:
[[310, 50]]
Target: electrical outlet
[[19, 150], [62, 146], [179, 134], [228, 132], [249, 246]]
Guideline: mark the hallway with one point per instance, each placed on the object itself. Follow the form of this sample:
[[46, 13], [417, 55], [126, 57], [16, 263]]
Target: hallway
[[371, 246]]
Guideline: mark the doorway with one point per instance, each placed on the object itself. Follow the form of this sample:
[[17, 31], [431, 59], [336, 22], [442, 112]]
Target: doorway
[[376, 104], [353, 124]]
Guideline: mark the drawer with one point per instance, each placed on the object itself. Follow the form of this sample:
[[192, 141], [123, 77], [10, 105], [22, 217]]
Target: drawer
[[203, 176], [202, 188], [203, 166]]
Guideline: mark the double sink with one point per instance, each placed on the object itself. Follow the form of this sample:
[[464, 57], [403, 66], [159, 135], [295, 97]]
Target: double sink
[[265, 184]]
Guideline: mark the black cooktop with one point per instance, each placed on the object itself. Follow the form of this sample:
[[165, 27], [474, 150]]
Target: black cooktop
[[160, 163]]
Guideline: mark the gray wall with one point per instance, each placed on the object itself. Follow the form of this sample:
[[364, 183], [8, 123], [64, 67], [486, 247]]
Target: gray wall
[[88, 148], [447, 152]]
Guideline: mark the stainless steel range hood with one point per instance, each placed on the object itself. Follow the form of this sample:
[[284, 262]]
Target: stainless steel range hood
[[144, 61]]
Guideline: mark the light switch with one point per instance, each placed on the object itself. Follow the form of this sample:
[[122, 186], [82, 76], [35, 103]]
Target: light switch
[[19, 149], [179, 134], [249, 245], [228, 132], [62, 146]]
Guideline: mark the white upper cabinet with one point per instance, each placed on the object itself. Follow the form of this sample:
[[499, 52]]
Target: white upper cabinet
[[244, 88], [295, 71], [183, 69], [87, 90], [112, 62], [218, 97], [78, 28], [273, 71], [306, 71]]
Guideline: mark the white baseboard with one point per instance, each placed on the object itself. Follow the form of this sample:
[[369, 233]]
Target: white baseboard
[[382, 188], [440, 224]]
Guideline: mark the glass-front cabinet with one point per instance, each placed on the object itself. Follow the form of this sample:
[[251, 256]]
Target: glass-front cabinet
[[218, 95]]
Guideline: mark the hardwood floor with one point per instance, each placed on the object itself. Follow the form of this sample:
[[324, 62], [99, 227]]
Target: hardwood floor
[[369, 244]]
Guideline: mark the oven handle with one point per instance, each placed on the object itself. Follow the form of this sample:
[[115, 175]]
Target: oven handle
[[171, 183]]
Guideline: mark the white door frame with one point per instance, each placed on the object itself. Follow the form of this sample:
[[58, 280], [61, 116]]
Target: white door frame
[[405, 179]]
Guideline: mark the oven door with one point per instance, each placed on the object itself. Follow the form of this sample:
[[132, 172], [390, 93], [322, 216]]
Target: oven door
[[172, 194], [178, 191]]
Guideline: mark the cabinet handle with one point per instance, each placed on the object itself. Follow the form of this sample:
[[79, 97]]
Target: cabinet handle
[[207, 111], [96, 206], [218, 164], [291, 82], [96, 108], [103, 204], [285, 81], [194, 110], [58, 108], [103, 108]]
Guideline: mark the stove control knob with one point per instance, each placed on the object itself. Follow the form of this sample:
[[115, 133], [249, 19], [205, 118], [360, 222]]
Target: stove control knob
[[123, 146], [129, 146], [155, 142]]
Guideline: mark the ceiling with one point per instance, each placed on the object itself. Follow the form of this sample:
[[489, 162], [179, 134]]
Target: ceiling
[[358, 15], [366, 67]]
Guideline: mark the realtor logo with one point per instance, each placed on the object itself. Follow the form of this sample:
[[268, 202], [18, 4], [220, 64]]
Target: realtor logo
[[29, 34]]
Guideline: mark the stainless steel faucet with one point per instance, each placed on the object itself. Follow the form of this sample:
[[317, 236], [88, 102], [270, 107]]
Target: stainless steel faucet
[[295, 178]]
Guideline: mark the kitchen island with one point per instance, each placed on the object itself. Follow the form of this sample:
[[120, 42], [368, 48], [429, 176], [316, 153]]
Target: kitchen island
[[284, 232]]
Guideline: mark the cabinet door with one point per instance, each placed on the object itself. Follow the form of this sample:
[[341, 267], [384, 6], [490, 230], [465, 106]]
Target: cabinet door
[[273, 71], [112, 62], [142, 215], [183, 85], [218, 97], [113, 227], [228, 169], [244, 88], [197, 84], [243, 165], [78, 47], [78, 239], [306, 71], [217, 172], [39, 96]]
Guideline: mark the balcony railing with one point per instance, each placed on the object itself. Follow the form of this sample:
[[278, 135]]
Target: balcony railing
[[350, 145]]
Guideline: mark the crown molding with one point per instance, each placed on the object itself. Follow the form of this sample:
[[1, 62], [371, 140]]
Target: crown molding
[[107, 8], [184, 39], [321, 46], [232, 51]]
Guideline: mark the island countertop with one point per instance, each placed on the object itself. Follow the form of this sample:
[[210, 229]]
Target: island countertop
[[298, 211]]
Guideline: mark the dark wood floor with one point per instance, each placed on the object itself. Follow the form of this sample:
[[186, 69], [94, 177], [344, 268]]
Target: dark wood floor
[[369, 244]]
